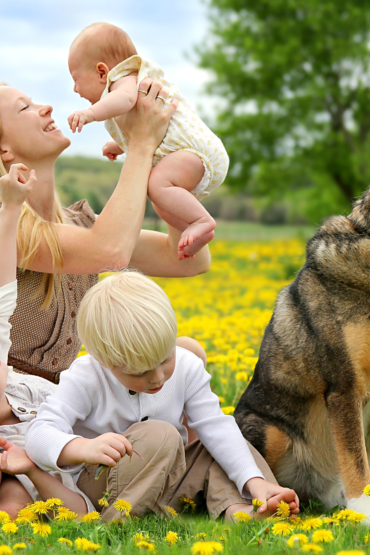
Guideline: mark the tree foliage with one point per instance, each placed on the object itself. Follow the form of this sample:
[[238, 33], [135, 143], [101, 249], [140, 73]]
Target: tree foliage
[[294, 85]]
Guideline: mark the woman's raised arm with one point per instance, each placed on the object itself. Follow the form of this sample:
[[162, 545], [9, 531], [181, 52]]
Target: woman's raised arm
[[109, 243]]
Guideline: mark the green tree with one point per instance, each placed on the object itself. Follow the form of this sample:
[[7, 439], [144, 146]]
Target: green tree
[[294, 85]]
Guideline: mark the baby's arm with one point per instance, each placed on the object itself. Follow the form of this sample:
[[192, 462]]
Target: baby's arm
[[120, 99], [14, 461], [14, 190]]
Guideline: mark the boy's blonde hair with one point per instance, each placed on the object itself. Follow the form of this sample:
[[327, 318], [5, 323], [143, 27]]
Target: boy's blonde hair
[[104, 42], [32, 229], [127, 321]]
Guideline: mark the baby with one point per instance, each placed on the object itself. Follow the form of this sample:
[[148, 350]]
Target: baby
[[108, 72], [134, 387]]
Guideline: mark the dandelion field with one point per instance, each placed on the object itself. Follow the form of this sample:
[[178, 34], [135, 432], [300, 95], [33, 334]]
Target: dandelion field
[[226, 310]]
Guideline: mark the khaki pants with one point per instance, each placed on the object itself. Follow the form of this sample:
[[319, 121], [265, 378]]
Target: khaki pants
[[168, 472]]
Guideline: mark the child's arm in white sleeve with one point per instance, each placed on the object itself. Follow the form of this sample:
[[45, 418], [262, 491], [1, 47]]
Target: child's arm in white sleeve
[[14, 189], [120, 99]]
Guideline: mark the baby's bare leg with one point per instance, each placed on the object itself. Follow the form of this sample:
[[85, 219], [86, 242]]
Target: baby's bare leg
[[13, 496], [170, 184]]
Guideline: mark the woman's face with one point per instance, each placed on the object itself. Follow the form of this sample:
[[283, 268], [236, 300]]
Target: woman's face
[[28, 131]]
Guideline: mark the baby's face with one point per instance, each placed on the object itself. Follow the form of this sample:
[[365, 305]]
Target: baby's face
[[86, 79]]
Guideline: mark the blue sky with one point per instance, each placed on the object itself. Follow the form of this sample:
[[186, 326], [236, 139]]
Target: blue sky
[[36, 35]]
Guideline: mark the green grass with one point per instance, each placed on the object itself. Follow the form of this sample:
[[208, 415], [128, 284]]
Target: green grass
[[246, 231]]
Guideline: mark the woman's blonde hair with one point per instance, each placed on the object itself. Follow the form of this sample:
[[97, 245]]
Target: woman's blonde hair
[[32, 229], [127, 321]]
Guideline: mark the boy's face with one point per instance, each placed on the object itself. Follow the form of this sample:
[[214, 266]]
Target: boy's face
[[151, 381], [86, 79]]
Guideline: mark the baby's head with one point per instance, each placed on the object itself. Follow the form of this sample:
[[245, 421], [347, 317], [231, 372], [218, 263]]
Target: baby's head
[[93, 53], [127, 323]]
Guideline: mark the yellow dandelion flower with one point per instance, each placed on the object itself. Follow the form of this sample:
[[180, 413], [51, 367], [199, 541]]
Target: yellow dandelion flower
[[5, 550], [297, 539], [19, 546], [344, 514], [140, 537], [322, 536], [9, 528], [351, 552], [123, 506], [201, 536], [356, 517], [146, 545], [295, 520], [187, 503], [90, 517], [241, 376], [311, 523], [86, 545], [66, 541], [282, 529], [103, 502], [367, 538], [330, 520], [65, 515], [206, 548], [40, 507], [242, 517], [25, 516], [54, 502], [221, 399], [228, 410], [170, 511], [41, 528], [283, 510], [367, 490], [4, 517], [312, 548], [172, 537], [256, 504]]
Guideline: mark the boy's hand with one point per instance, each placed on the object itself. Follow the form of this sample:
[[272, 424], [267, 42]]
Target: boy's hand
[[271, 495], [106, 449], [80, 118], [14, 188], [14, 459], [111, 150]]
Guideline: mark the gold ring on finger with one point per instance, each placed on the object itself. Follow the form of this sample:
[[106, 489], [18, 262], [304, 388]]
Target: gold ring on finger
[[161, 97], [145, 92]]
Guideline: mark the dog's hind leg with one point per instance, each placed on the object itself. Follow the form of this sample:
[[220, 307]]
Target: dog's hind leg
[[345, 416]]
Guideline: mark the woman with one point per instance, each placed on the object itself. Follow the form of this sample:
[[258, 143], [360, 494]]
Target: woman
[[63, 250]]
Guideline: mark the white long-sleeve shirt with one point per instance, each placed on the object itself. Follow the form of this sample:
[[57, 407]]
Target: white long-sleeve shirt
[[90, 401]]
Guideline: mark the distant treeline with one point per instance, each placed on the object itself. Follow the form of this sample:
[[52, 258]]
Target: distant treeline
[[79, 178]]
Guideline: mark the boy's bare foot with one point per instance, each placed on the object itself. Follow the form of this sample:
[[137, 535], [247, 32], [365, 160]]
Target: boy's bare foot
[[238, 507]]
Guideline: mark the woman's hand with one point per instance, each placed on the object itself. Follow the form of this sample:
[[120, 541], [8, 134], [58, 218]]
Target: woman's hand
[[147, 122], [14, 459]]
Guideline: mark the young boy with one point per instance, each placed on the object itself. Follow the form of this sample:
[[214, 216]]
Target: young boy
[[132, 390], [21, 395], [189, 163]]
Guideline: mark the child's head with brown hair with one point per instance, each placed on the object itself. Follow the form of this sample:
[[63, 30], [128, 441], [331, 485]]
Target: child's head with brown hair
[[127, 323], [93, 53]]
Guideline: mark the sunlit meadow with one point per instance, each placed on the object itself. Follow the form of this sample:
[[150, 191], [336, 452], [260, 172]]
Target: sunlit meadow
[[226, 310]]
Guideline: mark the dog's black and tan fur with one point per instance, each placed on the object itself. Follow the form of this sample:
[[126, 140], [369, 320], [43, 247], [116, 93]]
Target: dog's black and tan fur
[[306, 407]]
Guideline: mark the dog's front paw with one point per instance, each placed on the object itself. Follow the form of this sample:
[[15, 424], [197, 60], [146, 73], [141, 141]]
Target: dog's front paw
[[361, 505]]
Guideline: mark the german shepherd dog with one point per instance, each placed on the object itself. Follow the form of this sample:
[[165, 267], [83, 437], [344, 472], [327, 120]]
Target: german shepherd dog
[[307, 407]]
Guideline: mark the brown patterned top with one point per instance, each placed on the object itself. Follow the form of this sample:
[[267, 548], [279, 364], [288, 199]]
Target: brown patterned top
[[48, 339]]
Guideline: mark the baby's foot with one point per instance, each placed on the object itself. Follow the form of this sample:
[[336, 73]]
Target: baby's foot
[[195, 231], [190, 251]]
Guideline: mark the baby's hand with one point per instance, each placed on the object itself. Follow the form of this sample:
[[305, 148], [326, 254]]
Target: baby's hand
[[14, 459], [80, 118], [14, 188], [272, 495], [111, 150]]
